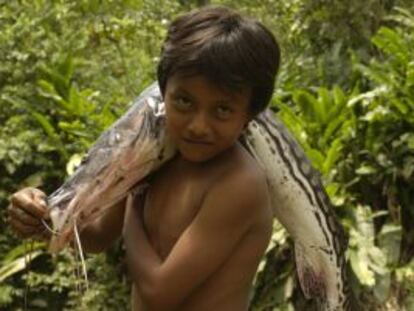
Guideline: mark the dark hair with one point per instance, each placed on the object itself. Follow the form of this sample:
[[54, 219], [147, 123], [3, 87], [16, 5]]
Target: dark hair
[[230, 50]]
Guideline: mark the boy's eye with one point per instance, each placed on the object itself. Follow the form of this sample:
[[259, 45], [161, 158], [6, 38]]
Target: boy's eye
[[182, 103], [224, 112]]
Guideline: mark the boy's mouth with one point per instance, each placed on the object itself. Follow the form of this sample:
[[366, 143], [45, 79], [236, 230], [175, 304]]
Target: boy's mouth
[[197, 142]]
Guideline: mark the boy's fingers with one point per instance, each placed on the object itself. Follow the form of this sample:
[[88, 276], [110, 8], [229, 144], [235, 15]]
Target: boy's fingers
[[23, 216], [40, 196], [24, 201], [23, 230]]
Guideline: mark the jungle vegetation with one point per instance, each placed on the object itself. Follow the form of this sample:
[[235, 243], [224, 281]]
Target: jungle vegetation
[[68, 69]]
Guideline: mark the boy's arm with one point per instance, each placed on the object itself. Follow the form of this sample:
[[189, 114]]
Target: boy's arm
[[28, 208], [228, 212], [100, 234]]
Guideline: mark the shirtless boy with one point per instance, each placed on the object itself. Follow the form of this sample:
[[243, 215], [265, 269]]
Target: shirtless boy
[[194, 241]]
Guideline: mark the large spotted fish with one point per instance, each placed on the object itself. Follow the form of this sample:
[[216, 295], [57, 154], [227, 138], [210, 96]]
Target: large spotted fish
[[134, 146], [137, 144], [302, 206]]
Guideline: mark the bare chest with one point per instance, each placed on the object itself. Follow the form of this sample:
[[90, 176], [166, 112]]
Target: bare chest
[[171, 204]]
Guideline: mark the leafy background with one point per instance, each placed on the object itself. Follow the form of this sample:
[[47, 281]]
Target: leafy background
[[68, 69]]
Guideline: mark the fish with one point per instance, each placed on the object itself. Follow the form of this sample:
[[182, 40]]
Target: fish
[[137, 145], [133, 147], [301, 204]]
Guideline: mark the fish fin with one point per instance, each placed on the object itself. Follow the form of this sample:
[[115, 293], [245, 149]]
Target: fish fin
[[310, 276]]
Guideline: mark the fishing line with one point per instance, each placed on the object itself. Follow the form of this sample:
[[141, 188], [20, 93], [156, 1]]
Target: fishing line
[[78, 251], [75, 270], [28, 250], [48, 228], [26, 266], [79, 246]]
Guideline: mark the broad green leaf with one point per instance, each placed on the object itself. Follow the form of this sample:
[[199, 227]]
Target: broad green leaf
[[389, 239], [359, 265], [16, 265], [391, 42], [48, 90], [59, 81], [308, 103], [339, 96], [66, 68], [368, 96], [323, 105], [403, 17], [331, 130], [21, 250], [316, 157], [382, 289], [382, 78], [400, 105], [292, 122], [333, 154], [74, 101]]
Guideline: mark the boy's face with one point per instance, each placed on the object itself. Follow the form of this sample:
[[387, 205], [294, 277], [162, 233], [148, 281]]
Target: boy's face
[[202, 118]]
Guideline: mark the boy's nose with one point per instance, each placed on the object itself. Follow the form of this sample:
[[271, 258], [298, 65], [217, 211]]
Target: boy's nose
[[199, 126]]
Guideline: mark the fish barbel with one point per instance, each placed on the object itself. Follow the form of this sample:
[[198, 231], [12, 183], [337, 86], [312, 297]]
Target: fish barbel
[[137, 145]]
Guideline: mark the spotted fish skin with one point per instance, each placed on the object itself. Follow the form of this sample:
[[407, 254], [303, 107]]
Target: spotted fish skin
[[299, 200], [133, 147], [302, 206]]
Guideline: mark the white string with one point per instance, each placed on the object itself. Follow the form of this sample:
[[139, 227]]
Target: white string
[[79, 246], [54, 232]]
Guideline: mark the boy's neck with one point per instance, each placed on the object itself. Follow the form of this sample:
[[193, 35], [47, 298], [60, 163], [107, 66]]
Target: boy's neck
[[205, 164]]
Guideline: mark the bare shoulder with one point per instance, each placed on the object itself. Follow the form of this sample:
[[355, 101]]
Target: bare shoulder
[[241, 191]]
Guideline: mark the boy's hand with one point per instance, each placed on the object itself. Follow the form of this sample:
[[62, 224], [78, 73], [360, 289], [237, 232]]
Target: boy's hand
[[132, 217], [26, 210]]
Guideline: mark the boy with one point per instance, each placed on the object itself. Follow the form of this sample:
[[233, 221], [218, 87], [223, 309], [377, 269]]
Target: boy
[[195, 239]]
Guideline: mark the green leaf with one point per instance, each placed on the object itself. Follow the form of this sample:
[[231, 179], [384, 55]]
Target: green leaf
[[368, 97], [360, 267], [21, 250], [309, 105], [75, 101], [45, 123], [66, 68], [333, 126], [401, 107], [59, 81], [17, 259], [392, 43], [324, 105], [333, 154], [366, 170], [403, 17], [316, 157], [48, 90], [339, 96]]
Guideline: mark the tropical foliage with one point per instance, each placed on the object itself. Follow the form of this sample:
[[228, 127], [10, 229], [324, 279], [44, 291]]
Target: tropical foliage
[[345, 90]]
